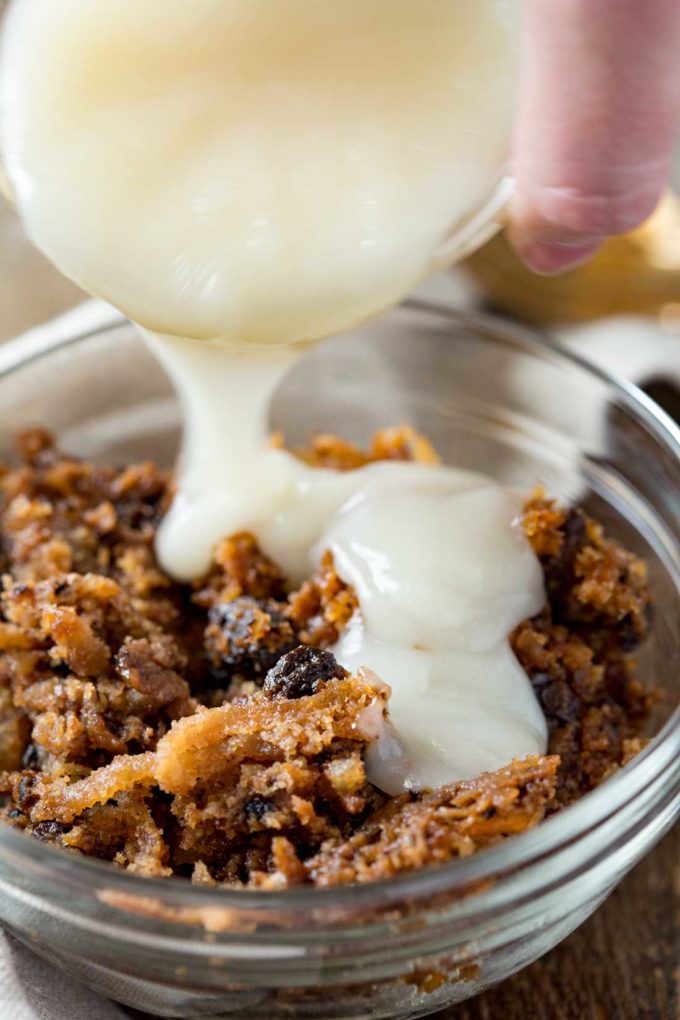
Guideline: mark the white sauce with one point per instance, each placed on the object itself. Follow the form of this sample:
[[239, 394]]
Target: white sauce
[[261, 170], [437, 557], [270, 171]]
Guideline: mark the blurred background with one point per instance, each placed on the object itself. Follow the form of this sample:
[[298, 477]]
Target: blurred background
[[31, 290]]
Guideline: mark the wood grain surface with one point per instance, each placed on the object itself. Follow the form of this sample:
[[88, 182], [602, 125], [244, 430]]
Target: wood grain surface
[[624, 963]]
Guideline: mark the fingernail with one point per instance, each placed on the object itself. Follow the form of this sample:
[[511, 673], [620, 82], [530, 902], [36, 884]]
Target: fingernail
[[550, 257]]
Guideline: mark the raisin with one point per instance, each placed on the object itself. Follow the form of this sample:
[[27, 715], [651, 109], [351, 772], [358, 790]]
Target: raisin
[[559, 701], [541, 679], [559, 572], [26, 797], [248, 636], [629, 636], [30, 759], [257, 807], [302, 672], [575, 534], [48, 831]]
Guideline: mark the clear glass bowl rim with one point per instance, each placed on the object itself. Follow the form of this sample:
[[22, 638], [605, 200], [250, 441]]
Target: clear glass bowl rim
[[497, 863]]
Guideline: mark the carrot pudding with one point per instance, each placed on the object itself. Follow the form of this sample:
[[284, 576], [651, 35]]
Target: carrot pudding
[[207, 730]]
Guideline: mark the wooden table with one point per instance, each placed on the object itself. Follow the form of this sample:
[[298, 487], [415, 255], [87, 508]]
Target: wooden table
[[623, 964]]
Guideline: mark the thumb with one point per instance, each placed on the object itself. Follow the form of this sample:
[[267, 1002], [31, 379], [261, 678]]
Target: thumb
[[599, 112]]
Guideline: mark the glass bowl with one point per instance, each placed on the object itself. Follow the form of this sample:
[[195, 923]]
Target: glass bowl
[[493, 397]]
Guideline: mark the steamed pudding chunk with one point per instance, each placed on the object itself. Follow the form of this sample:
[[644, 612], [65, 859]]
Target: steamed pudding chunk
[[208, 730]]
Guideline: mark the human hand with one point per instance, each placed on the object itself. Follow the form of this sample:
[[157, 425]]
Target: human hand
[[599, 113]]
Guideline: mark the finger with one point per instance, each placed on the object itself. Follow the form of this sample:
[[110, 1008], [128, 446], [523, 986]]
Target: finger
[[599, 112]]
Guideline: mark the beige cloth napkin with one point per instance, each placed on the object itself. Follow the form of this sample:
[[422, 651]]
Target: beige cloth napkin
[[31, 990]]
